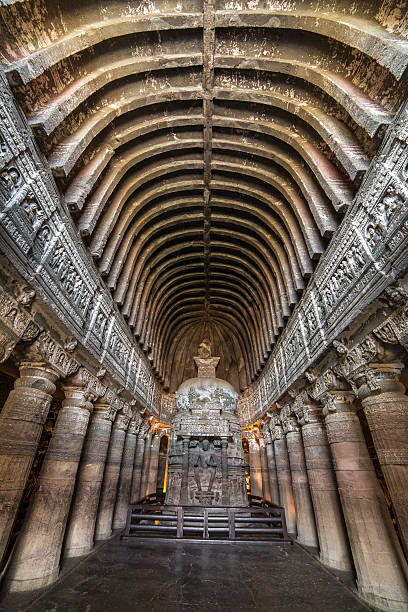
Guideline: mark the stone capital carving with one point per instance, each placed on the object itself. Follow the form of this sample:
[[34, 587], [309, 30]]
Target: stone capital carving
[[305, 409], [16, 324], [135, 422], [144, 427], [325, 382], [337, 401], [89, 383], [354, 360], [394, 330], [378, 378], [122, 421], [267, 434], [46, 349], [289, 424]]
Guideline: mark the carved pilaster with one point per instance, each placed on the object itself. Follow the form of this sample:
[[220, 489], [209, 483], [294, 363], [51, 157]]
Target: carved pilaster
[[126, 471], [306, 528], [380, 576], [80, 531], [103, 529], [283, 473], [385, 405], [22, 418], [138, 463], [331, 531], [36, 559]]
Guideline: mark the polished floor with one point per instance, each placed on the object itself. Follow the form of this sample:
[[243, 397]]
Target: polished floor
[[175, 577]]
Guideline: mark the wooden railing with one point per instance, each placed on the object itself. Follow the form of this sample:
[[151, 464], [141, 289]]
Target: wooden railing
[[260, 522]]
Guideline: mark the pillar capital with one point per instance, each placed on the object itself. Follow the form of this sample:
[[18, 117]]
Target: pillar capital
[[134, 424], [16, 323], [336, 401], [45, 350], [267, 434], [122, 421], [144, 427], [324, 382], [85, 383], [306, 410], [394, 330], [376, 378]]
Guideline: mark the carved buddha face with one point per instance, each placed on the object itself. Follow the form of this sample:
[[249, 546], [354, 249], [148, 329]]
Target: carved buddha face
[[205, 444]]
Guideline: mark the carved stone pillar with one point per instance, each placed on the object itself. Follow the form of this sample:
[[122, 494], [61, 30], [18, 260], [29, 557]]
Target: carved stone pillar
[[380, 576], [21, 423], [284, 474], [103, 528], [125, 478], [255, 464], [135, 494], [36, 559], [266, 489], [145, 468], [153, 465], [79, 539], [305, 521], [386, 408], [270, 455], [331, 530]]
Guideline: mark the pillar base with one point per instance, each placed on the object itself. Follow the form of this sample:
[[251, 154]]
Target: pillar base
[[335, 564], [382, 604], [70, 553], [32, 584], [310, 543], [103, 536]]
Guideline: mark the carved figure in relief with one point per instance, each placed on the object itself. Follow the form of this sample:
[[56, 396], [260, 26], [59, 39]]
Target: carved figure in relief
[[205, 465], [10, 178]]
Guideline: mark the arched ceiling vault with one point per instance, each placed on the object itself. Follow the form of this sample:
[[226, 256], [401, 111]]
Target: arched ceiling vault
[[207, 152]]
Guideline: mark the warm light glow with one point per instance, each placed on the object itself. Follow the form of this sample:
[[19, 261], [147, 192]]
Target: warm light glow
[[167, 464]]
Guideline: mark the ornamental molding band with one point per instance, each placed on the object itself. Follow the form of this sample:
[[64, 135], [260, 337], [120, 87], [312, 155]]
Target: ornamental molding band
[[39, 238], [367, 253]]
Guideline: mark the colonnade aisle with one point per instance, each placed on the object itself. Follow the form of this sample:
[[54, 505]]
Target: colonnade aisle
[[175, 577]]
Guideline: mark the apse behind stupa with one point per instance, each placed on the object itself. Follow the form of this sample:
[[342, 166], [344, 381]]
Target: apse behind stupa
[[224, 342], [206, 458]]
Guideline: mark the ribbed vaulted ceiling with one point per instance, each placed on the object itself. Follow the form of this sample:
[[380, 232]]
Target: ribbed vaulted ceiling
[[207, 151]]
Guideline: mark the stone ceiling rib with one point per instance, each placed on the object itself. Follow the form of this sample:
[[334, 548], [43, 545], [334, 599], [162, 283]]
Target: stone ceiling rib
[[207, 153]]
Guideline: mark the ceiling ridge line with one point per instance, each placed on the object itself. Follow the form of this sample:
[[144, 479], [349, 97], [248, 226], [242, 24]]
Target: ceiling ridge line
[[208, 85]]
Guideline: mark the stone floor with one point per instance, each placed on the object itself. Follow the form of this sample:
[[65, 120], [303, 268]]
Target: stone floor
[[174, 577]]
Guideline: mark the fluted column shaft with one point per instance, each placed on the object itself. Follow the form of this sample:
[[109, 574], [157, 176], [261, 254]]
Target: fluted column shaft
[[331, 530], [153, 465], [386, 408], [21, 424], [305, 521], [137, 469], [255, 467], [145, 467], [125, 478], [266, 489], [284, 478], [103, 528], [36, 559], [81, 527], [380, 577]]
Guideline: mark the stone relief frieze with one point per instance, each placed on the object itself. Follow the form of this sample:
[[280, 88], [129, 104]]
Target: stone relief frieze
[[38, 236], [366, 255]]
